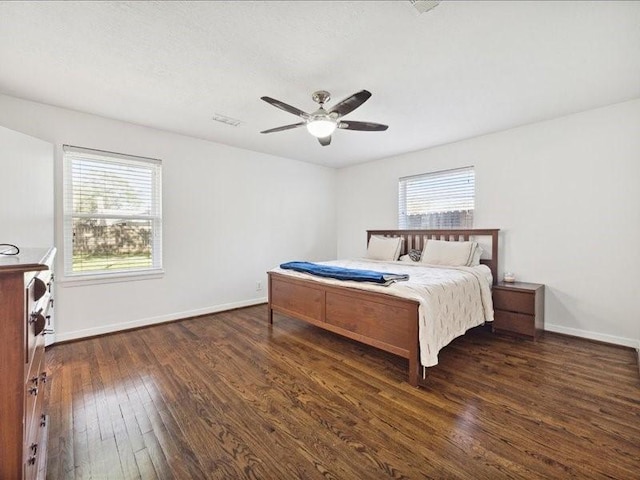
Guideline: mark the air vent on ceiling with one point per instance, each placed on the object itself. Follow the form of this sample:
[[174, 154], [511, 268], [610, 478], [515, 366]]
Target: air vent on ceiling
[[423, 6], [226, 120]]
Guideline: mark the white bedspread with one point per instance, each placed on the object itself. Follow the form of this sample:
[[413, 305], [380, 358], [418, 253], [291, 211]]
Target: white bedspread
[[452, 299]]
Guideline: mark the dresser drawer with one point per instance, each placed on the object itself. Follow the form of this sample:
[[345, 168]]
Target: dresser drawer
[[513, 301], [514, 322], [34, 388], [34, 450], [43, 283]]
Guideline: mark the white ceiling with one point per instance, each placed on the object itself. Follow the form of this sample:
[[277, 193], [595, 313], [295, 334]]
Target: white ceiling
[[461, 70]]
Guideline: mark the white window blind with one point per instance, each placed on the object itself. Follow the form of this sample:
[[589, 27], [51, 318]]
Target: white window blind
[[437, 200], [112, 213]]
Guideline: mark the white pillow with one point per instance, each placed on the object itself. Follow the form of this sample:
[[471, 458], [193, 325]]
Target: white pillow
[[475, 256], [454, 254], [384, 248]]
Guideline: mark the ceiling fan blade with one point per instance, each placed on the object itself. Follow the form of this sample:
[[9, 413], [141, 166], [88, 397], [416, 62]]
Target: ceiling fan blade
[[324, 141], [362, 126], [286, 127], [351, 103], [285, 107]]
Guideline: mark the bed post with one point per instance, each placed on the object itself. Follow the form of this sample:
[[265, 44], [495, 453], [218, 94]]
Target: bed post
[[494, 255], [270, 314], [414, 350]]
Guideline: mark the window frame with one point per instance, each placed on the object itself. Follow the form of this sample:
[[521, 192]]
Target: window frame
[[451, 187], [155, 270]]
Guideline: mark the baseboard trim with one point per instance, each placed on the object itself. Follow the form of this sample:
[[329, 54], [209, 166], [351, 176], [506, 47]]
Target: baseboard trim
[[600, 337], [145, 322]]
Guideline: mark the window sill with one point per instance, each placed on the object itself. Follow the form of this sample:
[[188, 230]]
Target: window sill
[[85, 280]]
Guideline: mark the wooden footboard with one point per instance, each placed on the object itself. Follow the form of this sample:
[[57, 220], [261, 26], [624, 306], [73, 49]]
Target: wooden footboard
[[382, 321]]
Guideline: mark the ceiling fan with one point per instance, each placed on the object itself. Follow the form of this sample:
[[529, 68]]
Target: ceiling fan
[[322, 123]]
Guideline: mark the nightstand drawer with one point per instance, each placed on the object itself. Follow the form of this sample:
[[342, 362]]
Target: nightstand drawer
[[513, 301], [514, 322]]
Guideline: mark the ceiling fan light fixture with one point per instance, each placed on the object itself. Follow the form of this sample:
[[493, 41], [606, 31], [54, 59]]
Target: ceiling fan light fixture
[[322, 123], [322, 127]]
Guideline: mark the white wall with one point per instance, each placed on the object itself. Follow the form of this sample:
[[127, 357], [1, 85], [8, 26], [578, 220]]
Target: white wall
[[566, 195], [26, 190], [229, 216]]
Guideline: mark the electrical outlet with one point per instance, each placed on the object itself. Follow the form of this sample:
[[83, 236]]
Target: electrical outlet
[[258, 286]]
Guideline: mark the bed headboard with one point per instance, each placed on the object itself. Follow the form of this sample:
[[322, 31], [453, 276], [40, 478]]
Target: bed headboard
[[415, 239]]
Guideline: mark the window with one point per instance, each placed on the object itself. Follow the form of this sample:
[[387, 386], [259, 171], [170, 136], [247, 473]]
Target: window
[[112, 213], [437, 200]]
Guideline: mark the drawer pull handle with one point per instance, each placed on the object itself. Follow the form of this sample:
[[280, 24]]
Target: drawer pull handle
[[43, 420], [43, 377], [33, 391], [35, 315], [38, 321], [32, 460], [34, 380], [34, 448]]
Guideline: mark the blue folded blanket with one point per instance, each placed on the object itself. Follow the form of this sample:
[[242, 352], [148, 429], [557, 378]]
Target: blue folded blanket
[[341, 273]]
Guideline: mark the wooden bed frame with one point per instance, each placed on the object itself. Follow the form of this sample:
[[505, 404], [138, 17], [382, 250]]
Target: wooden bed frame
[[377, 319]]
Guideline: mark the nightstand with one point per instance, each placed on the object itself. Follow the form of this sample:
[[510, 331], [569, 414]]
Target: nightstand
[[518, 308]]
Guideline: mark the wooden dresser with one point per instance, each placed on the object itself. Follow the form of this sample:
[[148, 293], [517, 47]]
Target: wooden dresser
[[26, 302]]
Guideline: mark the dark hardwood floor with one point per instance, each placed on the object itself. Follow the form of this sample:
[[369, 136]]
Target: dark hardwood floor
[[225, 397]]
